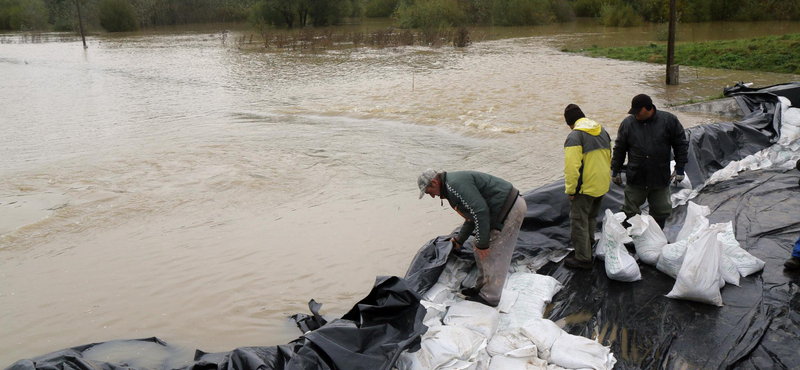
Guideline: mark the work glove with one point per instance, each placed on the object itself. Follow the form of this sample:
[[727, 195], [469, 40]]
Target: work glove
[[675, 178], [616, 178]]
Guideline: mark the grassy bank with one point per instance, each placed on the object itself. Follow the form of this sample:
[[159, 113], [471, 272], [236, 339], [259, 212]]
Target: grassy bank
[[779, 54]]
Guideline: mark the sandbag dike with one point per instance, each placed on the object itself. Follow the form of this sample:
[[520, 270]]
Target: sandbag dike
[[756, 328]]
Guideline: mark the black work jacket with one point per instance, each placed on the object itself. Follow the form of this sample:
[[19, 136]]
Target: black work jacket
[[647, 145]]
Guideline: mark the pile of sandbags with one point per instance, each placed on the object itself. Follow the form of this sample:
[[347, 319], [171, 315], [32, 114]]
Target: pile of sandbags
[[702, 260], [465, 335]]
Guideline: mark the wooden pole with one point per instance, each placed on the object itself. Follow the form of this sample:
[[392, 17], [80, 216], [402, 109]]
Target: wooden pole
[[80, 23], [672, 71]]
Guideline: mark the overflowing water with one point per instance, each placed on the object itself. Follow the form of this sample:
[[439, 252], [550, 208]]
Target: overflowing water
[[165, 184]]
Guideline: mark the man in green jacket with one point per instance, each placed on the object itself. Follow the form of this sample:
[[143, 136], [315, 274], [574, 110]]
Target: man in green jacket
[[494, 210], [587, 177]]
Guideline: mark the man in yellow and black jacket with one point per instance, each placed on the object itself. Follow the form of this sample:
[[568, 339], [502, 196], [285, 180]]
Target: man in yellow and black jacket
[[587, 172]]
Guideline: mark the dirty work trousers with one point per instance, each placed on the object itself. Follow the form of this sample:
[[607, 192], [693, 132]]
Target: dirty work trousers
[[492, 271], [660, 205], [582, 224]]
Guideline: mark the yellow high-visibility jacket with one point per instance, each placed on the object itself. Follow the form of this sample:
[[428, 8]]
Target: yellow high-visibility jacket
[[587, 159]]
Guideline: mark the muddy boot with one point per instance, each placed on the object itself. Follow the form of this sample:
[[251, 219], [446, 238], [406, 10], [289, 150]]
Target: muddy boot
[[792, 263], [574, 263]]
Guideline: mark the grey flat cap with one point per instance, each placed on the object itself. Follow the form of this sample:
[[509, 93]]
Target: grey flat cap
[[424, 180]]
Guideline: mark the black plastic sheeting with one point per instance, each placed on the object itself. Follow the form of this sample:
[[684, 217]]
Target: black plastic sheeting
[[759, 325], [757, 328], [369, 337]]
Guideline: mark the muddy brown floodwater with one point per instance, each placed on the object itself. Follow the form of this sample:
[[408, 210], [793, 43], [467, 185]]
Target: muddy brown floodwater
[[163, 184]]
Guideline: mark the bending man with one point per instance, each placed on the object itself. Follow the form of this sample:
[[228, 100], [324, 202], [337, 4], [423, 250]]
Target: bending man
[[491, 207], [646, 136]]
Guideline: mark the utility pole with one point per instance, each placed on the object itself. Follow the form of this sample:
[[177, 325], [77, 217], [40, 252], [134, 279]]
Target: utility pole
[[672, 70], [80, 23]]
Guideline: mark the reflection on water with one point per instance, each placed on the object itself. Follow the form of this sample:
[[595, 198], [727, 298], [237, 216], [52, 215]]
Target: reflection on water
[[164, 184]]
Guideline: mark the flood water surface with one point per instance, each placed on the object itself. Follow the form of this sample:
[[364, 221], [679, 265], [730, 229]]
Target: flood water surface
[[166, 184]]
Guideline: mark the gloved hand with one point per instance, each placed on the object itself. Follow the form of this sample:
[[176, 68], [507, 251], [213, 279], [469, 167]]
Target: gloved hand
[[675, 178], [616, 178]]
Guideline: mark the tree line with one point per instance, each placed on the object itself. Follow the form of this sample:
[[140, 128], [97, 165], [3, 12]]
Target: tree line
[[128, 15]]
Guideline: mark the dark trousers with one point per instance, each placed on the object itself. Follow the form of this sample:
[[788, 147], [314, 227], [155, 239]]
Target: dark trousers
[[660, 205], [583, 222]]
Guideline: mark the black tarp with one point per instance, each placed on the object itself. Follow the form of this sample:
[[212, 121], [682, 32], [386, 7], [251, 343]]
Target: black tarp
[[757, 328], [369, 337], [759, 325]]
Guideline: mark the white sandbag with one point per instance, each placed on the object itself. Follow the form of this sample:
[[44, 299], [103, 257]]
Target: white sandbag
[[790, 123], [730, 171], [576, 352], [620, 265], [728, 271], [507, 300], [600, 251], [648, 238], [745, 262], [474, 316], [527, 307], [438, 293], [699, 277], [671, 258], [455, 271], [435, 313], [482, 361], [511, 343], [515, 363], [542, 286], [533, 293], [695, 220], [543, 333], [451, 347]]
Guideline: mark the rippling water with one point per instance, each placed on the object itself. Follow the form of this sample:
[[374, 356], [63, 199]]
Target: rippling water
[[164, 184]]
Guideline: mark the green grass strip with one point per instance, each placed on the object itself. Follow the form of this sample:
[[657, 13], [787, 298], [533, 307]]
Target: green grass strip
[[779, 54]]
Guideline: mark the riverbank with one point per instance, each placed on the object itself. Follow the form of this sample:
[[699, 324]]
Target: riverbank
[[778, 54]]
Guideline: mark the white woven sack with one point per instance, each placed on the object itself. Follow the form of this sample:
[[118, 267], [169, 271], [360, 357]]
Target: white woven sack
[[695, 220], [543, 333], [671, 258], [699, 277], [474, 316], [648, 238], [620, 265], [745, 262], [576, 352], [600, 251]]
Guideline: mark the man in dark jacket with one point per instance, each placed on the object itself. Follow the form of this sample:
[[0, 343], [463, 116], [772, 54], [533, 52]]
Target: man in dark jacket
[[647, 136], [494, 210]]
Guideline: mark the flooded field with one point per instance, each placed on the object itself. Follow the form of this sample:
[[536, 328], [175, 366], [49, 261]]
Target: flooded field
[[164, 183]]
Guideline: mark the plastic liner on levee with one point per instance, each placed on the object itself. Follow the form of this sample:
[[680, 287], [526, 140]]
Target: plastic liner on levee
[[710, 292]]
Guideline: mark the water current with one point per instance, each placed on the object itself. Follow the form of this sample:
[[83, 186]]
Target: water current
[[163, 183]]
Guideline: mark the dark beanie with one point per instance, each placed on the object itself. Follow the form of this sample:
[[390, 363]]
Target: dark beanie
[[572, 114]]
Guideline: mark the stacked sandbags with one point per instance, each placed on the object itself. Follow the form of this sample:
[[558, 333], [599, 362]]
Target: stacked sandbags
[[464, 335], [705, 258], [701, 254]]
